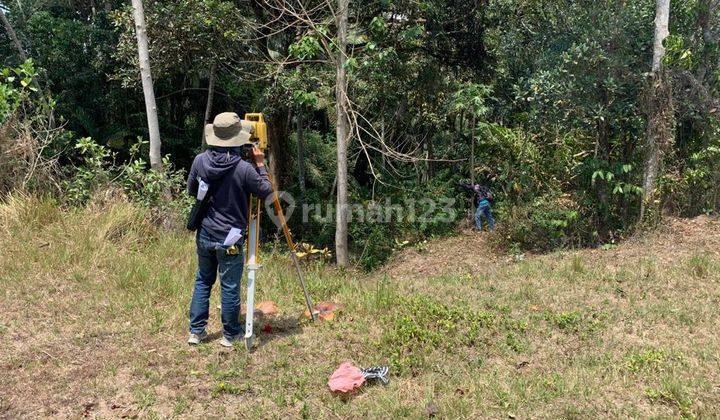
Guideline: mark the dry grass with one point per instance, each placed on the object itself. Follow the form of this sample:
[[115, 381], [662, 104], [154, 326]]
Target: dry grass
[[94, 309], [23, 163]]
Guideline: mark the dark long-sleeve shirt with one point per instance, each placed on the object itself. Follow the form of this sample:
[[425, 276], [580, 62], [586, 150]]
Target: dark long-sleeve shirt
[[481, 192], [231, 182]]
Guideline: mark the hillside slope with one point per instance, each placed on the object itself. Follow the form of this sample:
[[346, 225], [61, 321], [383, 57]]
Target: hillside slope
[[94, 306], [470, 252]]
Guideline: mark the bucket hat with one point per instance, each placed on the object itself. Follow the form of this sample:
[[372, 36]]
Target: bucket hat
[[228, 130]]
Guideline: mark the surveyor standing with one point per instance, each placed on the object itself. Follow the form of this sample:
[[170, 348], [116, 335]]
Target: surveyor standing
[[221, 173], [484, 198]]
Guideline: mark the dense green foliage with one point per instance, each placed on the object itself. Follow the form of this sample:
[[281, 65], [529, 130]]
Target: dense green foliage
[[551, 92]]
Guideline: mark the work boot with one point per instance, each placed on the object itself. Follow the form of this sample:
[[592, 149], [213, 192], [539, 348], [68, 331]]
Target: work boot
[[197, 338], [228, 341]]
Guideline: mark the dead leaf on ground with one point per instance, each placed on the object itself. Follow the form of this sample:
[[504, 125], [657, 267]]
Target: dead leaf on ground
[[267, 307], [88, 408], [326, 310], [522, 364]]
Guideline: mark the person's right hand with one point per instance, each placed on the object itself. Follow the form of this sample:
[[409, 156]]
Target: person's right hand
[[258, 157]]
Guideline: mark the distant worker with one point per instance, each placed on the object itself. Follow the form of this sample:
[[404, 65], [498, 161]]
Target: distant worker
[[484, 198], [221, 180]]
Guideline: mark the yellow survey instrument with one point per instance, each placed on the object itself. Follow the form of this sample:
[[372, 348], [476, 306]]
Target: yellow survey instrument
[[259, 134]]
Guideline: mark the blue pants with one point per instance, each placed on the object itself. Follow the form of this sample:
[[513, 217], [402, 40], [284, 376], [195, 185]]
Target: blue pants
[[483, 209], [213, 258]]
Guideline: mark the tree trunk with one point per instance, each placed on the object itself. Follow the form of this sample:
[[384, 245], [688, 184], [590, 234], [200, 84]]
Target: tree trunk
[[472, 150], [472, 161], [659, 104], [13, 36], [706, 12], [422, 166], [279, 153], [147, 83], [210, 96], [430, 157], [662, 30], [300, 153], [341, 108], [382, 137]]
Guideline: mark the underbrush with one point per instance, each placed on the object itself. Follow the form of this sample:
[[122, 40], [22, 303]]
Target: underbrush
[[544, 224], [38, 156], [97, 178]]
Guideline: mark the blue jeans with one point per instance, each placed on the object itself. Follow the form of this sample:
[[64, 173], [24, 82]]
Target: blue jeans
[[483, 209], [213, 258]]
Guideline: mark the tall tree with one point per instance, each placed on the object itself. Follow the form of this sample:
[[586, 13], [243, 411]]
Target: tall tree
[[147, 83], [472, 162], [300, 153], [707, 9], [662, 30], [659, 101], [13, 36], [210, 96], [342, 133]]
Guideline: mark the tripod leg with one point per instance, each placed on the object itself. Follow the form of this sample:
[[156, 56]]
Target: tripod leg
[[308, 301], [291, 245], [252, 268], [250, 310]]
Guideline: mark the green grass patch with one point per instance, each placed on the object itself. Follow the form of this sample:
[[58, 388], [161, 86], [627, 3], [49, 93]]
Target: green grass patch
[[674, 393], [652, 360], [420, 325], [224, 387]]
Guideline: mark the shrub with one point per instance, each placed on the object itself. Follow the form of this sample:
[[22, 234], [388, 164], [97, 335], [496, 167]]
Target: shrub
[[696, 189], [29, 140], [162, 193], [546, 223]]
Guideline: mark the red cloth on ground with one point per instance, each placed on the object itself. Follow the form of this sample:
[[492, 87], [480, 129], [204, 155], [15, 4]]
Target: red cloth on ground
[[346, 378]]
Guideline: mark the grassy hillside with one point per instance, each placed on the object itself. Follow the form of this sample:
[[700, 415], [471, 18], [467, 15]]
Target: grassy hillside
[[94, 306]]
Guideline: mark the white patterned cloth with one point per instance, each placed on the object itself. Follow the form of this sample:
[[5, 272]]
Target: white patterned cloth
[[376, 372]]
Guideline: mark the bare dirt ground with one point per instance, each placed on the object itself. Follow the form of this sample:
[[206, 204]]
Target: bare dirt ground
[[465, 253]]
